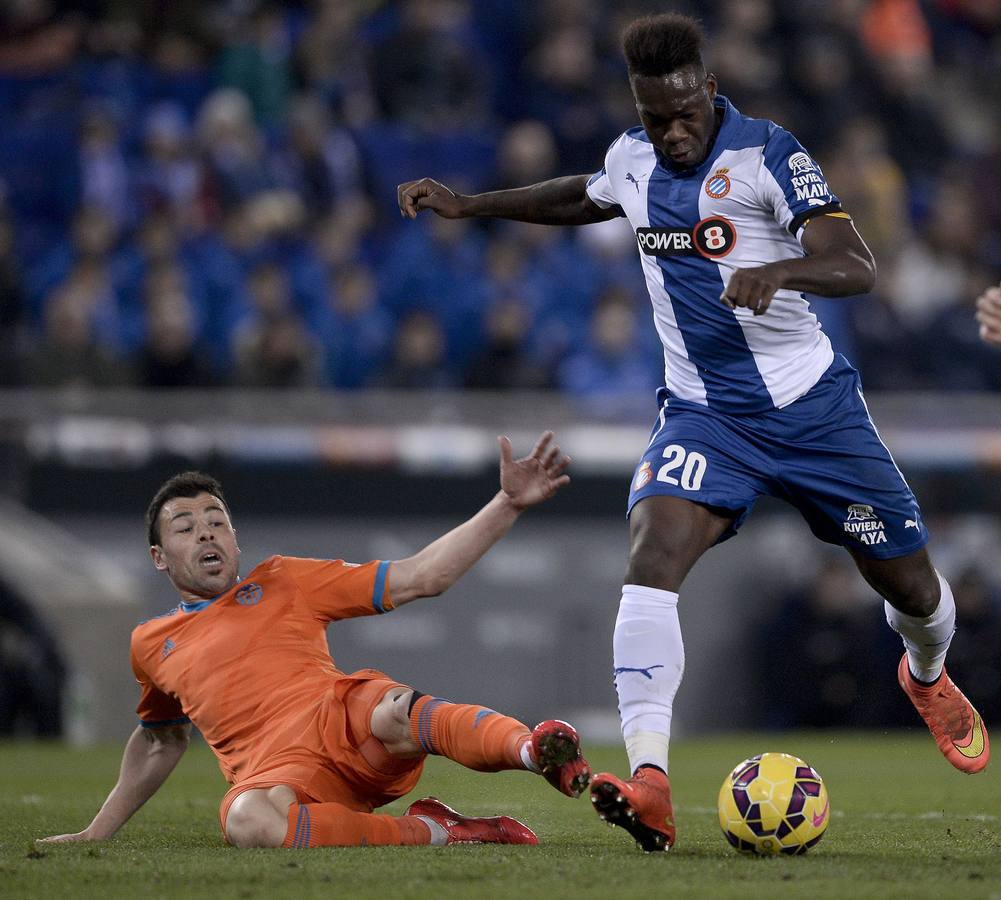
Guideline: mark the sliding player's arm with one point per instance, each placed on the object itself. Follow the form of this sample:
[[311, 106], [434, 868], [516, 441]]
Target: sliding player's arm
[[837, 264], [559, 201], [150, 756], [524, 483]]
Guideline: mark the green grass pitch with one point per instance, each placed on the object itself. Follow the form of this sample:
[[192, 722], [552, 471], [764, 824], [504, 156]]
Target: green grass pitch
[[904, 824]]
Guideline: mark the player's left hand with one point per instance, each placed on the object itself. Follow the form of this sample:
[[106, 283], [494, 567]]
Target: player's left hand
[[535, 477], [752, 288]]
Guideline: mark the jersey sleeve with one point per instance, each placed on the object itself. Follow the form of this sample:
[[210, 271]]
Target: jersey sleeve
[[156, 709], [792, 184], [335, 589], [599, 186]]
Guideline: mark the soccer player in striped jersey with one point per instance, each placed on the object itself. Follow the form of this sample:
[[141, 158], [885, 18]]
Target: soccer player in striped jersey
[[735, 227], [311, 751]]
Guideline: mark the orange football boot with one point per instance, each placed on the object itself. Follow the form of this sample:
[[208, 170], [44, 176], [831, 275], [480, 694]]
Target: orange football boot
[[641, 805], [954, 723]]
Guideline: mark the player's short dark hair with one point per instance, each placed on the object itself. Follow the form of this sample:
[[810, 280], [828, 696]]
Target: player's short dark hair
[[661, 44], [186, 484]]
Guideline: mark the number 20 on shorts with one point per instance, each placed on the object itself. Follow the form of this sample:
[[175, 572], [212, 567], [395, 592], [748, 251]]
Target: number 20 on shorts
[[693, 467]]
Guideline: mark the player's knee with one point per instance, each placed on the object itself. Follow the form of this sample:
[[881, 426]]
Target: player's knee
[[909, 584], [254, 821], [656, 562], [919, 598], [914, 594], [391, 722]]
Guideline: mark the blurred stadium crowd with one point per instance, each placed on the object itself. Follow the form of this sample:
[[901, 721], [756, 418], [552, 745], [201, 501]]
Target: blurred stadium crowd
[[198, 193]]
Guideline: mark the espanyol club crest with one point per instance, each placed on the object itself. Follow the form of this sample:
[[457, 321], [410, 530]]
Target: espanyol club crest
[[718, 184], [643, 475]]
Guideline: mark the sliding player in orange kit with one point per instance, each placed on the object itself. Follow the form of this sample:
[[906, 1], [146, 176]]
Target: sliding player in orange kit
[[310, 751]]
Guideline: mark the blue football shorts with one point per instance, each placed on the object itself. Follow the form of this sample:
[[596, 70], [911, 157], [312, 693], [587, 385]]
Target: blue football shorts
[[821, 453]]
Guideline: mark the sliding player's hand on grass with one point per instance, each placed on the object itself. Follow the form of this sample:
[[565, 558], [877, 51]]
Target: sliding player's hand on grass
[[65, 838], [535, 477]]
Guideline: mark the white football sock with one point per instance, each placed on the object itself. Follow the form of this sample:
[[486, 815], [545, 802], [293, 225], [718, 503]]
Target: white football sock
[[926, 640], [526, 756], [439, 836], [649, 660]]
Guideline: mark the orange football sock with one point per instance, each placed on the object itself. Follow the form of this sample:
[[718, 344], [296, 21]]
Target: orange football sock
[[474, 736], [334, 825]]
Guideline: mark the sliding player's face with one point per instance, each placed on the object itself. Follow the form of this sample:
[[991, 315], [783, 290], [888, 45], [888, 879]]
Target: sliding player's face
[[677, 112], [197, 546]]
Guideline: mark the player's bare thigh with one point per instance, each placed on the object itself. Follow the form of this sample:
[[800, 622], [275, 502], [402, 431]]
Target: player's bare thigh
[[259, 817], [390, 723]]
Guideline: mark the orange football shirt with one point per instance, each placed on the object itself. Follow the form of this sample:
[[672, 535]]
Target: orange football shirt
[[251, 667]]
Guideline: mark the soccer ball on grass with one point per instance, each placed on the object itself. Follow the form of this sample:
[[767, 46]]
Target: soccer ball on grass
[[773, 803]]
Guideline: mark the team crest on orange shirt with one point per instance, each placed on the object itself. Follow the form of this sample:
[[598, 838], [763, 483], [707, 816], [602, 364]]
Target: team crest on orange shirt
[[718, 184], [643, 476], [250, 594]]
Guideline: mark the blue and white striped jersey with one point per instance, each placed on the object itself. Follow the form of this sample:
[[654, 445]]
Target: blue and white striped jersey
[[745, 206]]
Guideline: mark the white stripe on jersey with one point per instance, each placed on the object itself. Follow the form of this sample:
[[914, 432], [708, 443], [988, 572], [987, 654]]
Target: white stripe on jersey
[[790, 351], [680, 373]]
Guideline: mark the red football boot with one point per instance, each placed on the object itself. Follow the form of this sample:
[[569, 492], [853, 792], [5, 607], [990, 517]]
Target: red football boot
[[556, 751], [472, 829]]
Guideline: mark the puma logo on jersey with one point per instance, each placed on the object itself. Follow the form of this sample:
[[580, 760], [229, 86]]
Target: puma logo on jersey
[[910, 523], [632, 178]]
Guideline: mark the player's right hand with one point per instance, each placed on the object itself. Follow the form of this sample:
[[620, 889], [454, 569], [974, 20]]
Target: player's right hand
[[428, 194]]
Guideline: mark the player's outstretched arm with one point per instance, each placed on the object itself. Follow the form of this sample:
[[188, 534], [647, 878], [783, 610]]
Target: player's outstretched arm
[[150, 756], [837, 264], [989, 315], [524, 483], [559, 201]]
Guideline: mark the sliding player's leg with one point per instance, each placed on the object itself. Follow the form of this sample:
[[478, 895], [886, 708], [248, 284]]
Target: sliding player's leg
[[275, 817], [409, 723], [668, 535]]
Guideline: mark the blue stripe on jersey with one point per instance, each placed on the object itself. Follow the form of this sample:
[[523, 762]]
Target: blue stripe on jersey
[[780, 146], [708, 327], [379, 591], [746, 132], [595, 176], [638, 133]]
